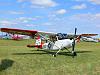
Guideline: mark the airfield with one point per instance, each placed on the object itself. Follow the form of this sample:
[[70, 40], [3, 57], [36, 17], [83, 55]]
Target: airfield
[[17, 59]]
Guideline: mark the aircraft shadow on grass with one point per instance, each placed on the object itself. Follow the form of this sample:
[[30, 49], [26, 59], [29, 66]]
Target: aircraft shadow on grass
[[50, 52], [5, 64]]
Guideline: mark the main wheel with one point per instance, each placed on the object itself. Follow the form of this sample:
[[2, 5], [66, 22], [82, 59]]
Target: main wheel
[[54, 55], [75, 54]]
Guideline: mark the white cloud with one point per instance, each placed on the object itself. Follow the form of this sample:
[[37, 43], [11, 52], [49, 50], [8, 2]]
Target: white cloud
[[40, 3], [21, 0], [82, 6], [98, 26], [47, 24], [61, 11], [25, 19], [30, 25], [97, 16], [15, 12], [91, 1], [79, 0], [46, 3], [17, 21], [88, 16], [95, 2], [7, 23], [87, 19]]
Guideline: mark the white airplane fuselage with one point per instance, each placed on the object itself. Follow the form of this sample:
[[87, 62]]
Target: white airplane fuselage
[[59, 44]]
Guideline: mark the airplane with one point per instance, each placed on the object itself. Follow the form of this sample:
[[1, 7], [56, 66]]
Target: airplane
[[13, 36], [5, 36], [53, 41], [89, 39], [18, 37]]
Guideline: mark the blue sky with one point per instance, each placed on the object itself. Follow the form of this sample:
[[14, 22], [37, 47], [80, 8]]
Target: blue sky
[[51, 15]]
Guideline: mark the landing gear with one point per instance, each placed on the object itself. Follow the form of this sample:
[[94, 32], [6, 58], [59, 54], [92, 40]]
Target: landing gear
[[74, 54], [54, 55], [38, 49]]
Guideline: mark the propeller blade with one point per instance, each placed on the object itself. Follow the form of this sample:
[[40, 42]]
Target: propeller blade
[[73, 44]]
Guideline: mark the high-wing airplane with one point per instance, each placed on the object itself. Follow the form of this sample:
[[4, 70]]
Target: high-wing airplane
[[89, 39], [12, 36], [53, 41]]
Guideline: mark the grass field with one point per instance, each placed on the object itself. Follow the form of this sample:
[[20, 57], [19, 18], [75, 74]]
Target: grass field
[[17, 59]]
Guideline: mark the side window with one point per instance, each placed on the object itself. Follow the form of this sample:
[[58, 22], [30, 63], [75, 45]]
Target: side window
[[53, 38], [61, 36]]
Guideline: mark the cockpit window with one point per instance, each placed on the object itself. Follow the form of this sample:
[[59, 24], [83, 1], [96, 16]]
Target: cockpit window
[[53, 38], [62, 36]]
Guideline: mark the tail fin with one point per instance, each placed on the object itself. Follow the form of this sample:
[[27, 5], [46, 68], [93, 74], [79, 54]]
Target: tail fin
[[38, 43]]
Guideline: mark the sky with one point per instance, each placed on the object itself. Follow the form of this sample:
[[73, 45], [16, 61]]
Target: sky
[[60, 16]]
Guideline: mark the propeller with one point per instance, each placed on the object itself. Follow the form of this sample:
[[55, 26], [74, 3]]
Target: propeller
[[73, 44]]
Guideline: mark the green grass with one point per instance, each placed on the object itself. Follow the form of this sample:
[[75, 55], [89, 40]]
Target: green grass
[[17, 59]]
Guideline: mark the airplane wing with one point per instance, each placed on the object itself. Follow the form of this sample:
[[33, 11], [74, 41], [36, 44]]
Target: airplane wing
[[25, 32], [86, 35], [35, 32]]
